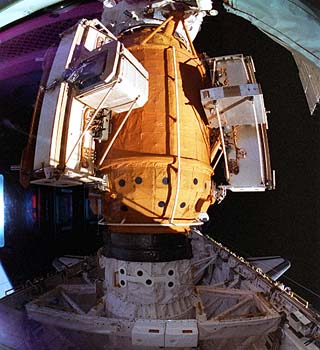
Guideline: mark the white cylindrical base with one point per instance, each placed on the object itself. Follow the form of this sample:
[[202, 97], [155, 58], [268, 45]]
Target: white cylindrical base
[[157, 290]]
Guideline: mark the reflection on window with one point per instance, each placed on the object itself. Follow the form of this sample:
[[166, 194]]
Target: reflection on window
[[1, 213], [64, 210], [93, 208]]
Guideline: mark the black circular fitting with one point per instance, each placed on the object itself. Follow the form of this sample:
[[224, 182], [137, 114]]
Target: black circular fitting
[[161, 204], [148, 282], [122, 183], [195, 181], [165, 181], [138, 180], [170, 284], [140, 273], [182, 204]]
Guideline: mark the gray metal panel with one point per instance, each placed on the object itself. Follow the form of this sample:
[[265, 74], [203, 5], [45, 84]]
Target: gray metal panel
[[235, 105], [249, 175], [236, 71]]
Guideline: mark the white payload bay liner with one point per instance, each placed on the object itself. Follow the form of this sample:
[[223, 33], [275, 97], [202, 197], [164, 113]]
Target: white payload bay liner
[[147, 290], [165, 333], [235, 306]]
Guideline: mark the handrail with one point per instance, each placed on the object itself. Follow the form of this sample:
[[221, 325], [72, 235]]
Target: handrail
[[217, 161], [178, 136], [259, 143], [213, 78], [193, 50], [223, 147], [187, 224], [245, 69]]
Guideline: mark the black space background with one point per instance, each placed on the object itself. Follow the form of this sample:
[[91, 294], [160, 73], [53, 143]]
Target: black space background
[[285, 221], [282, 222]]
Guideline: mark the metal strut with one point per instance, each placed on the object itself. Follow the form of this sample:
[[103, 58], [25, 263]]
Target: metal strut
[[223, 147], [91, 120], [118, 131]]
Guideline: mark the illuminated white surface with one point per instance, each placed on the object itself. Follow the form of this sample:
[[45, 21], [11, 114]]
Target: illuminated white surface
[[74, 132], [4, 282], [20, 9], [1, 213]]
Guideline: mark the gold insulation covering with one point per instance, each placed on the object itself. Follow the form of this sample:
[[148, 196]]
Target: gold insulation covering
[[142, 165]]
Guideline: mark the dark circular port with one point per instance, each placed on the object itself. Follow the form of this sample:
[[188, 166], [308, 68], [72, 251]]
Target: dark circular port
[[121, 271], [122, 183], [170, 272], [195, 181], [170, 284], [122, 283], [165, 181], [138, 180], [182, 204], [148, 282], [161, 204], [124, 208], [140, 273]]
